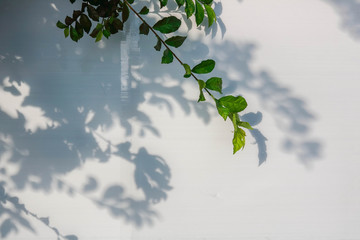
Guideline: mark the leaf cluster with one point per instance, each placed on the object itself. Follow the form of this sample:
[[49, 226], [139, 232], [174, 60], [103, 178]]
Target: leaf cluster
[[100, 18]]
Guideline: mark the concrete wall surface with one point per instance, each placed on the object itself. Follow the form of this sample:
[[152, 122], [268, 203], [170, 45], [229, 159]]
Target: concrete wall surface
[[101, 141]]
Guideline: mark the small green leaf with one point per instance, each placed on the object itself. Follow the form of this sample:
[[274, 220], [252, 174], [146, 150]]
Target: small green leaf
[[167, 57], [85, 22], [163, 3], [189, 8], [214, 83], [202, 85], [175, 41], [66, 32], [72, 1], [234, 104], [211, 14], [167, 24], [79, 29], [93, 14], [74, 34], [144, 29], [144, 10], [204, 67], [106, 33], [96, 30], [238, 140], [60, 25], [180, 2], [99, 36], [244, 125], [187, 70], [125, 13], [158, 45], [223, 111], [199, 13], [130, 1]]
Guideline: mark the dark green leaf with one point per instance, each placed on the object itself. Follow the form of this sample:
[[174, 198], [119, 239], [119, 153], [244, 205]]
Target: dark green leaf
[[199, 13], [68, 20], [72, 1], [175, 41], [223, 111], [125, 13], [144, 10], [74, 34], [204, 67], [189, 8], [238, 140], [211, 14], [106, 33], [163, 3], [76, 14], [99, 36], [131, 1], [201, 87], [167, 57], [214, 83], [85, 23], [234, 104], [93, 14], [79, 29], [180, 2], [158, 45], [144, 29], [167, 25], [66, 32], [118, 24], [187, 70], [60, 25]]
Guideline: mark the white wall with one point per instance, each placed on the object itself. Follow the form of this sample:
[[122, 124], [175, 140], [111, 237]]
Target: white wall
[[101, 141]]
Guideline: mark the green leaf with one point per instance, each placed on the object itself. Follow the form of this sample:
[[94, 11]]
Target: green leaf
[[163, 3], [144, 10], [69, 20], [74, 34], [60, 25], [158, 45], [96, 30], [167, 57], [208, 2], [234, 104], [72, 1], [244, 125], [93, 14], [106, 33], [180, 2], [211, 14], [144, 29], [199, 13], [131, 1], [175, 41], [187, 70], [189, 8], [85, 23], [125, 13], [202, 85], [238, 140], [66, 32], [214, 83], [204, 67], [223, 111], [167, 25], [99, 36]]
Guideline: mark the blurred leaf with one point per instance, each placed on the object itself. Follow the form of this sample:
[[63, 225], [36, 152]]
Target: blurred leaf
[[175, 41], [85, 22], [144, 10], [187, 70], [199, 13], [158, 45], [60, 25], [211, 14], [204, 67], [144, 29], [189, 8], [167, 57], [167, 24]]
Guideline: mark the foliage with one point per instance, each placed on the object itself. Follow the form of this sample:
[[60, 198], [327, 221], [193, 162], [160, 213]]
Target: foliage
[[103, 18]]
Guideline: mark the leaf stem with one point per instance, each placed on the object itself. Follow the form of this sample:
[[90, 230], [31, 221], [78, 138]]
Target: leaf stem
[[163, 42]]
